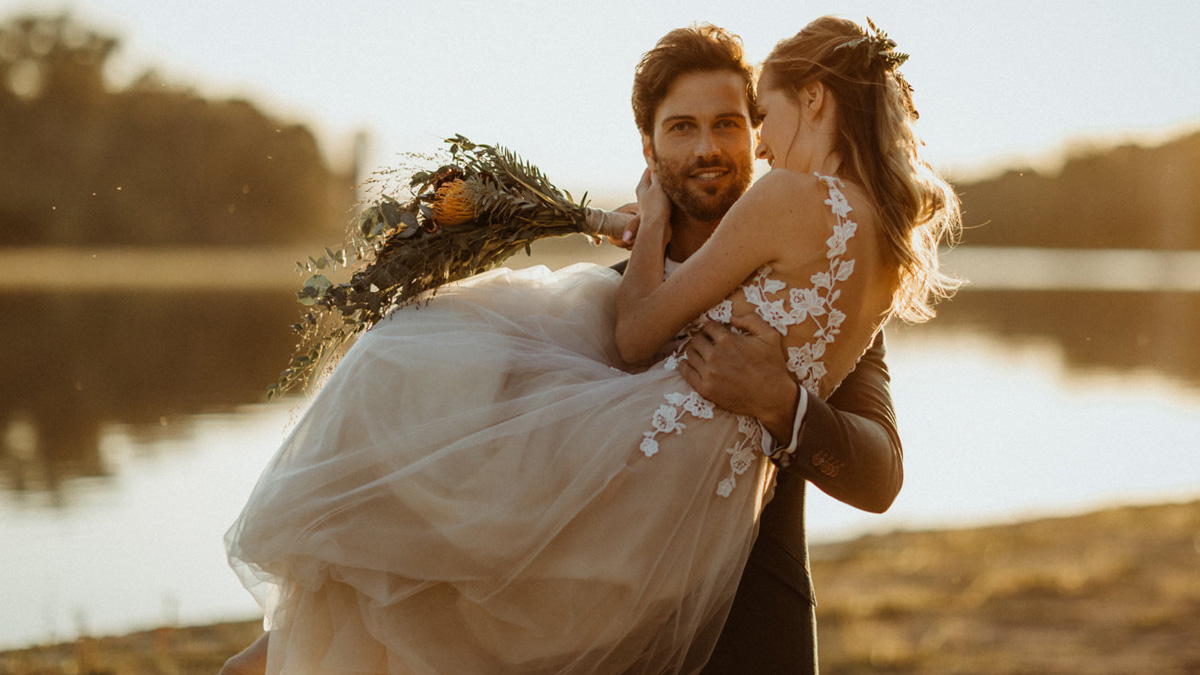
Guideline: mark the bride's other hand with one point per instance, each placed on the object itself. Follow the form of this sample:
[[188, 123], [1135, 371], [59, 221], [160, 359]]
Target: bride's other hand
[[624, 238]]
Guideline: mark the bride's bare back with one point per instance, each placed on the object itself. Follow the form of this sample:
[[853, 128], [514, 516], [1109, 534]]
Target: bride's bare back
[[828, 302], [803, 252]]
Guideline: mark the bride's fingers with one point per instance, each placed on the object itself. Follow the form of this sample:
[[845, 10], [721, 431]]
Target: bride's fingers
[[626, 237], [644, 184], [625, 240]]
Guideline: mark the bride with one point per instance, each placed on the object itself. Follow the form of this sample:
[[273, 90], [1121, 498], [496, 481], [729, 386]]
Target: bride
[[514, 478]]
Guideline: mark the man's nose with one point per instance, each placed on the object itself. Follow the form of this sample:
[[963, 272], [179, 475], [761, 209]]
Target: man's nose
[[706, 145]]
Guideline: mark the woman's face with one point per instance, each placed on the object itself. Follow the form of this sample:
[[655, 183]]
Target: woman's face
[[780, 125]]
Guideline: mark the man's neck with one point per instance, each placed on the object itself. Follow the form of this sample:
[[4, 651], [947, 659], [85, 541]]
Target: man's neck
[[688, 235]]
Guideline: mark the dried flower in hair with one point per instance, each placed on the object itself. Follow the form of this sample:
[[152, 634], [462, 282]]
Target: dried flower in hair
[[876, 46]]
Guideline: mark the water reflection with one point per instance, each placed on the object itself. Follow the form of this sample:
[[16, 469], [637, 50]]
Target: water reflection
[[77, 364], [106, 415], [1123, 330]]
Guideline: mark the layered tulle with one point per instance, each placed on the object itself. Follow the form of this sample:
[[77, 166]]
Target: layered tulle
[[466, 494]]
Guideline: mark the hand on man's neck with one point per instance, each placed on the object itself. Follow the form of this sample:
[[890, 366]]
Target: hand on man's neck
[[687, 235]]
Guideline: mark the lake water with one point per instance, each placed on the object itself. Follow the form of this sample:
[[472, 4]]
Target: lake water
[[132, 427]]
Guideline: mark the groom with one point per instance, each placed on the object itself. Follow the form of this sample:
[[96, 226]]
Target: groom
[[694, 103]]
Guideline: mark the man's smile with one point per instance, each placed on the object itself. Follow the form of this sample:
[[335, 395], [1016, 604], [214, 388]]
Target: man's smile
[[709, 176]]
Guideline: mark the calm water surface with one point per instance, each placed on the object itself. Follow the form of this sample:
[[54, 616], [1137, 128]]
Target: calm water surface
[[131, 432]]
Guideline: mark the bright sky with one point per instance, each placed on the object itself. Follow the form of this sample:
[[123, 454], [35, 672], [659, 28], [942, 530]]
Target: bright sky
[[997, 83]]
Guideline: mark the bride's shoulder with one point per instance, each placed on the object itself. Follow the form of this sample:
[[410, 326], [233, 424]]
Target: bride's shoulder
[[820, 198], [787, 184], [784, 195], [790, 202]]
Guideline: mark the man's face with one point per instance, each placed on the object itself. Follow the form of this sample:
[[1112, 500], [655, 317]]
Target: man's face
[[701, 147]]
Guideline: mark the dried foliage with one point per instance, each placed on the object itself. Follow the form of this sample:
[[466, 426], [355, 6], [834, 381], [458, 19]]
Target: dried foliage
[[482, 205], [875, 45]]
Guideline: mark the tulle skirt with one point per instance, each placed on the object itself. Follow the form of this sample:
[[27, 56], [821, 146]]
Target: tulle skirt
[[468, 493]]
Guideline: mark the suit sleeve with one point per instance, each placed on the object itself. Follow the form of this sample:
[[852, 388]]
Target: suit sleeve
[[848, 445]]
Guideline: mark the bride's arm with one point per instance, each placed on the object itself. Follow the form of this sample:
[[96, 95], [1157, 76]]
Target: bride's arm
[[765, 221]]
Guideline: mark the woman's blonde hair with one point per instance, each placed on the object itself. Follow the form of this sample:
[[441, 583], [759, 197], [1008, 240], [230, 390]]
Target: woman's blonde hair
[[917, 208]]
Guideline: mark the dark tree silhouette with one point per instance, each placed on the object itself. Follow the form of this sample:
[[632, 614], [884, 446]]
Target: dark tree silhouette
[[1128, 197], [150, 164]]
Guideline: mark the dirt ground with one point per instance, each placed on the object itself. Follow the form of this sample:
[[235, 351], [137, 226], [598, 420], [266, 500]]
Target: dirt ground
[[1112, 592]]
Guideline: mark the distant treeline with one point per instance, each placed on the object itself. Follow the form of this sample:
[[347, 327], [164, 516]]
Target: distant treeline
[[155, 164], [1128, 197], [150, 164]]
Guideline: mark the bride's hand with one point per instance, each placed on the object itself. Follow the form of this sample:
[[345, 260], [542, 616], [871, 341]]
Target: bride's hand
[[626, 216], [654, 207]]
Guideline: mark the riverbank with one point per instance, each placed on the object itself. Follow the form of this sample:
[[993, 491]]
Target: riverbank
[[1111, 592], [92, 270]]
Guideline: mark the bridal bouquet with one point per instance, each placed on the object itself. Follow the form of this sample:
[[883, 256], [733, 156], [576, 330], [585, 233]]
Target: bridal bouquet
[[481, 206]]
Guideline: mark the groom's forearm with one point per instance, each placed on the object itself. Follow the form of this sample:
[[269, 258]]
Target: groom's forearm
[[849, 446]]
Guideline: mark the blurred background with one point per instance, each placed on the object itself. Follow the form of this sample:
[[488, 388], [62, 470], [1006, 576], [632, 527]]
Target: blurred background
[[165, 165]]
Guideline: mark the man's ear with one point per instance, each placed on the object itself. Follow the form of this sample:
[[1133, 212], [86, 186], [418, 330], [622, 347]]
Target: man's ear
[[648, 151]]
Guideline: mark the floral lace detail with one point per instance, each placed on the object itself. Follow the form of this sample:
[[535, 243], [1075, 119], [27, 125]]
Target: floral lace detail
[[815, 304], [666, 419], [817, 301], [741, 455]]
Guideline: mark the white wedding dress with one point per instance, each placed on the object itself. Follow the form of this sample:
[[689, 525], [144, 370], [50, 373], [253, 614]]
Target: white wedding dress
[[476, 489]]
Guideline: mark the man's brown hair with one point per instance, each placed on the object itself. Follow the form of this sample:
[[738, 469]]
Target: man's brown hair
[[697, 48]]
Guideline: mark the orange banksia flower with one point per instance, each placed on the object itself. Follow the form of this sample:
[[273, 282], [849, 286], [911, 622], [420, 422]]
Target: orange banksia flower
[[453, 204]]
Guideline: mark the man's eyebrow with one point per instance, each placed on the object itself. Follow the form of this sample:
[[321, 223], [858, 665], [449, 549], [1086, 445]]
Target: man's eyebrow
[[692, 118], [678, 118]]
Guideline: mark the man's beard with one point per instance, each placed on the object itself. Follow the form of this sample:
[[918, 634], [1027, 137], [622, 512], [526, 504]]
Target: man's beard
[[706, 204]]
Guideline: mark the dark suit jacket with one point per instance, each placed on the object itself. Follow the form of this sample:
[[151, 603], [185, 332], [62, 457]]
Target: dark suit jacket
[[850, 449]]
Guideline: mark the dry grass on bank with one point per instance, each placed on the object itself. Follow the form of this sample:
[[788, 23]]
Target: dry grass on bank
[[1113, 592]]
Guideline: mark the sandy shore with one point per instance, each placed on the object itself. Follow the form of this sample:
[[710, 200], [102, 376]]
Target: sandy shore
[[1112, 592]]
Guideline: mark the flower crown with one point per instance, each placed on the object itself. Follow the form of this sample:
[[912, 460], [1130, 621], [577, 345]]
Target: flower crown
[[879, 47]]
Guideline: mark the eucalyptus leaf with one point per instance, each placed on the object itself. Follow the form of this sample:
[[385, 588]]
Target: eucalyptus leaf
[[319, 284]]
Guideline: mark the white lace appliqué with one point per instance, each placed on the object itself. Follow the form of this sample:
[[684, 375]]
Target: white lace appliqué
[[815, 304], [666, 419]]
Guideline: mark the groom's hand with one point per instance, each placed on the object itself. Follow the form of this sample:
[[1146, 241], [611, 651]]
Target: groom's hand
[[744, 373]]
